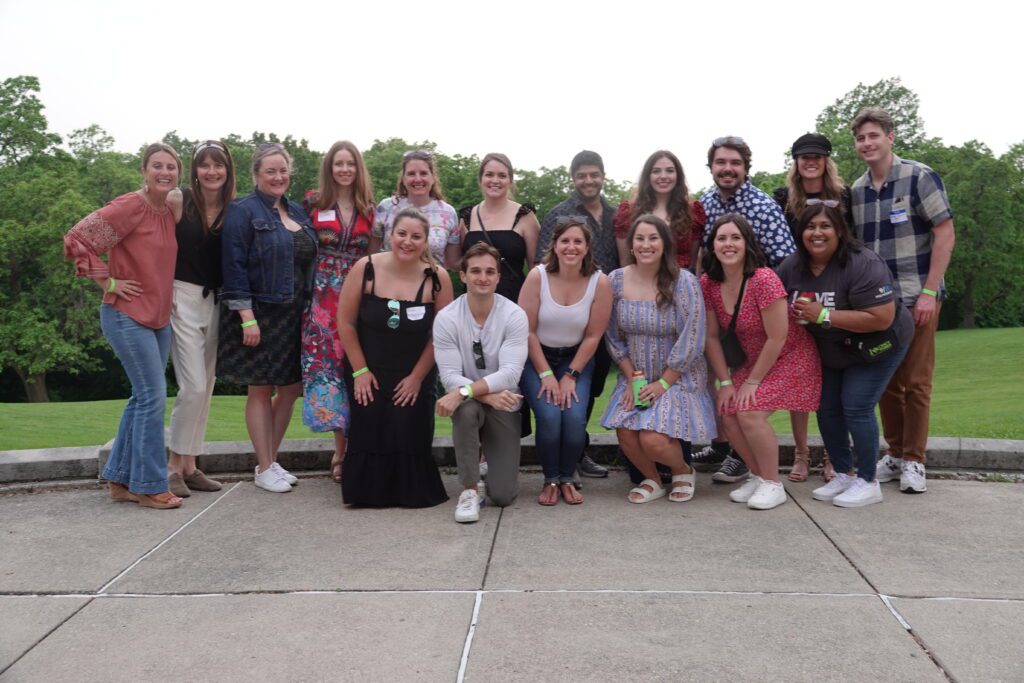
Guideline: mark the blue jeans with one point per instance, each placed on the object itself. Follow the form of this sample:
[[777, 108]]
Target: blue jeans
[[138, 458], [848, 400], [561, 434]]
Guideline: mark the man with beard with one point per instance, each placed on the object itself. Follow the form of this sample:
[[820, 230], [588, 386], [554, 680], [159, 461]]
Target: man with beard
[[729, 161], [587, 171]]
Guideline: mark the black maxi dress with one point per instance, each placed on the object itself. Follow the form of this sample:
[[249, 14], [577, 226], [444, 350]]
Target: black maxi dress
[[390, 461]]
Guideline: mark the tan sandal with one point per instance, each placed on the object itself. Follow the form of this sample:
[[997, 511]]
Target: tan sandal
[[828, 473], [159, 501], [120, 493], [801, 465], [569, 493], [549, 494]]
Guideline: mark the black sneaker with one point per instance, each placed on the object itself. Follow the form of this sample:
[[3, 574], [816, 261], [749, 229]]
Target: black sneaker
[[588, 468], [707, 459], [731, 471]]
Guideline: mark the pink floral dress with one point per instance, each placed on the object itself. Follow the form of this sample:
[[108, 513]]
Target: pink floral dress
[[794, 381]]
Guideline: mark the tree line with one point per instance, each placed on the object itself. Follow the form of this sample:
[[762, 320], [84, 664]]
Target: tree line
[[50, 342]]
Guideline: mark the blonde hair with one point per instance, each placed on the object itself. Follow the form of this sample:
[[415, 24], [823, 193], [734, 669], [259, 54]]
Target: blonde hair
[[831, 188], [268, 149]]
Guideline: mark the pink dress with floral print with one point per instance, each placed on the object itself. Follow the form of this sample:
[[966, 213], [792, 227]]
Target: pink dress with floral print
[[794, 380]]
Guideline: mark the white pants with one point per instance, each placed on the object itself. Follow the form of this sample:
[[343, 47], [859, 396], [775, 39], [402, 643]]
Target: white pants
[[194, 354]]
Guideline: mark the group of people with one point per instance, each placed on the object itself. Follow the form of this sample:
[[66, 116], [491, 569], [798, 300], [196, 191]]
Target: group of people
[[823, 298]]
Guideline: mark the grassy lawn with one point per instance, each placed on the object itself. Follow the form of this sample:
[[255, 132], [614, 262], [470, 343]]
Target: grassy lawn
[[978, 380]]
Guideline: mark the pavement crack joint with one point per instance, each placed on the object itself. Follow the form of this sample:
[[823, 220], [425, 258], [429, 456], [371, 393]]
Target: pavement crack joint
[[469, 637]]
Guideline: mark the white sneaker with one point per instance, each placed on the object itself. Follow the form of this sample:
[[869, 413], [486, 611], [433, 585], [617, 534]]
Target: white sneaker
[[271, 480], [840, 483], [744, 492], [483, 469], [468, 508], [888, 468], [858, 494], [770, 494], [912, 478], [288, 476]]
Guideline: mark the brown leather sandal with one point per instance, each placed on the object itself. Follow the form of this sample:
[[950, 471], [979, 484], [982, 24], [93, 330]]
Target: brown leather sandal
[[801, 465], [569, 493], [159, 501], [120, 493], [828, 472]]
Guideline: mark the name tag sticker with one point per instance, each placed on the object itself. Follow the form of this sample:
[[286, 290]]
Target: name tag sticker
[[898, 216], [327, 216], [415, 312]]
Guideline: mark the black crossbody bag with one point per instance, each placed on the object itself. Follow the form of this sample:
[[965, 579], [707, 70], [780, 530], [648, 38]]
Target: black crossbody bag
[[735, 356]]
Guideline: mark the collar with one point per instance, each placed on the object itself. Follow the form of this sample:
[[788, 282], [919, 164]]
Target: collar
[[741, 190], [577, 201], [269, 201]]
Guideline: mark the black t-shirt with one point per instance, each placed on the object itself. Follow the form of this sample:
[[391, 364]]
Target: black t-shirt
[[199, 252], [864, 282]]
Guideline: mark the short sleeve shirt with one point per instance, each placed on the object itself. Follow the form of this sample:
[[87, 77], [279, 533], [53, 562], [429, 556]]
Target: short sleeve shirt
[[444, 223], [864, 282], [763, 213]]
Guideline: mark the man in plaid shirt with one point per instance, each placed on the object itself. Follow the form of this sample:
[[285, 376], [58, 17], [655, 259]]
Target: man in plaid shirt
[[901, 212]]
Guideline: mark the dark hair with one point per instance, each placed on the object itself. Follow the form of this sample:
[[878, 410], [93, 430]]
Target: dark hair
[[426, 157], [735, 144], [873, 115], [219, 153], [678, 208], [550, 260], [480, 249], [504, 161], [668, 270], [753, 257], [846, 242], [412, 213], [586, 158]]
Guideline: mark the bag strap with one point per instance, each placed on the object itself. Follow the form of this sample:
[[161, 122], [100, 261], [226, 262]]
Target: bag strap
[[480, 220], [736, 311]]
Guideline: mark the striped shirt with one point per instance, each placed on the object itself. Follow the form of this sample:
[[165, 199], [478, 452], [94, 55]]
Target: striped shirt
[[896, 222]]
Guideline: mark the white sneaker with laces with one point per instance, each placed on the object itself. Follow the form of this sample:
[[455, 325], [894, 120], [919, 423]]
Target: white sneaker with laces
[[840, 483], [912, 477], [288, 476], [744, 492], [770, 494], [858, 494], [888, 468], [271, 480], [468, 507]]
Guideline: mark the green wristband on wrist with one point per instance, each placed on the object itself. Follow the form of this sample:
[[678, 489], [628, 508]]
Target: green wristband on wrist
[[821, 316], [360, 371], [111, 283], [663, 383], [725, 383], [929, 292], [248, 323], [546, 373], [469, 390]]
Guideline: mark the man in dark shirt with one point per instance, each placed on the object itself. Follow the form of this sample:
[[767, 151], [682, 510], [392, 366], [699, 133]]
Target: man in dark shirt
[[587, 171]]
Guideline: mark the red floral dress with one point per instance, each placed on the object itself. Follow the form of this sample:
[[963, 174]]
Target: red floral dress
[[794, 381], [342, 241], [624, 220]]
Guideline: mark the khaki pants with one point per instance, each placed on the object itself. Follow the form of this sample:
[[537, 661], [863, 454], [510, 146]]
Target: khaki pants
[[475, 424], [907, 400], [194, 354]]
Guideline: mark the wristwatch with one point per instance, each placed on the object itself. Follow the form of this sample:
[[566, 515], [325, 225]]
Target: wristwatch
[[575, 374], [826, 323], [466, 392]]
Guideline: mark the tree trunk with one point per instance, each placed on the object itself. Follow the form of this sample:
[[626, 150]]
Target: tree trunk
[[35, 385], [970, 321]]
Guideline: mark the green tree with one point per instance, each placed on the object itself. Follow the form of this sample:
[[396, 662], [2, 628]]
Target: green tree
[[22, 123]]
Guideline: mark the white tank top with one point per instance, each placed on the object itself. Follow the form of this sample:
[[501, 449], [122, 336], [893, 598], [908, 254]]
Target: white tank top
[[560, 326]]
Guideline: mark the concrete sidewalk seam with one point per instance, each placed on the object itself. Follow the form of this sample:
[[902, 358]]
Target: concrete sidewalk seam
[[464, 661], [47, 635], [161, 544], [895, 612]]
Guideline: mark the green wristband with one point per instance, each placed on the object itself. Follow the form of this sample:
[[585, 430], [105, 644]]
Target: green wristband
[[546, 373], [248, 323], [663, 383], [469, 390], [360, 371], [929, 292], [111, 283], [725, 383], [821, 316]]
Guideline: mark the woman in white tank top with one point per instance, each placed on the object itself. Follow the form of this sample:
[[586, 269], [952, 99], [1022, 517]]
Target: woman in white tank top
[[568, 302]]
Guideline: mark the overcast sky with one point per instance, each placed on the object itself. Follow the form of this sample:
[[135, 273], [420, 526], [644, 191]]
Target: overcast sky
[[536, 80]]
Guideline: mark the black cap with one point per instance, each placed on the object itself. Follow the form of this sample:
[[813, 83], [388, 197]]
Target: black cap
[[812, 143]]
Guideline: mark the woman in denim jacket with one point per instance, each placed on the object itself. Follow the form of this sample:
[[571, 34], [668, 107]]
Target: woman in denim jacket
[[269, 252]]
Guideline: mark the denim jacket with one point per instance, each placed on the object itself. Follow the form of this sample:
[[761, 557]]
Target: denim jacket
[[257, 253]]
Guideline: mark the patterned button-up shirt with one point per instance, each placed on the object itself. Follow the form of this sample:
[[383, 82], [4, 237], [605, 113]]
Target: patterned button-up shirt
[[763, 213], [606, 254], [896, 222]]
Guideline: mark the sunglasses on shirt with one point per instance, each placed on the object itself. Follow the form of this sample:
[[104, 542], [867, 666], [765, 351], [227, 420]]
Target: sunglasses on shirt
[[478, 355]]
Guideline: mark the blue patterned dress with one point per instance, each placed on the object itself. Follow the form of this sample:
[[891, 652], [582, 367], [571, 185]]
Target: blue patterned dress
[[654, 338]]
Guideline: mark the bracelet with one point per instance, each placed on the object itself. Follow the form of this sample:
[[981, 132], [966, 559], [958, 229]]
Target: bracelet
[[725, 383], [546, 373], [250, 323], [751, 382], [111, 283], [360, 371], [663, 383], [469, 391], [821, 316], [929, 292]]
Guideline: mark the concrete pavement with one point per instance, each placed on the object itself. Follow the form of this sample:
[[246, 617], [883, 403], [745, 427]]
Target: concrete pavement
[[247, 585]]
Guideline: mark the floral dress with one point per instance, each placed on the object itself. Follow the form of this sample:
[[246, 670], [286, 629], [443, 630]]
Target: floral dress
[[343, 241]]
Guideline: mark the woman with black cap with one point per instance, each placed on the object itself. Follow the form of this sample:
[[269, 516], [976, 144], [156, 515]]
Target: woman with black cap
[[812, 178]]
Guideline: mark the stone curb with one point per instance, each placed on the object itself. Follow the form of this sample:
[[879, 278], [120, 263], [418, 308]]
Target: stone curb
[[949, 453]]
